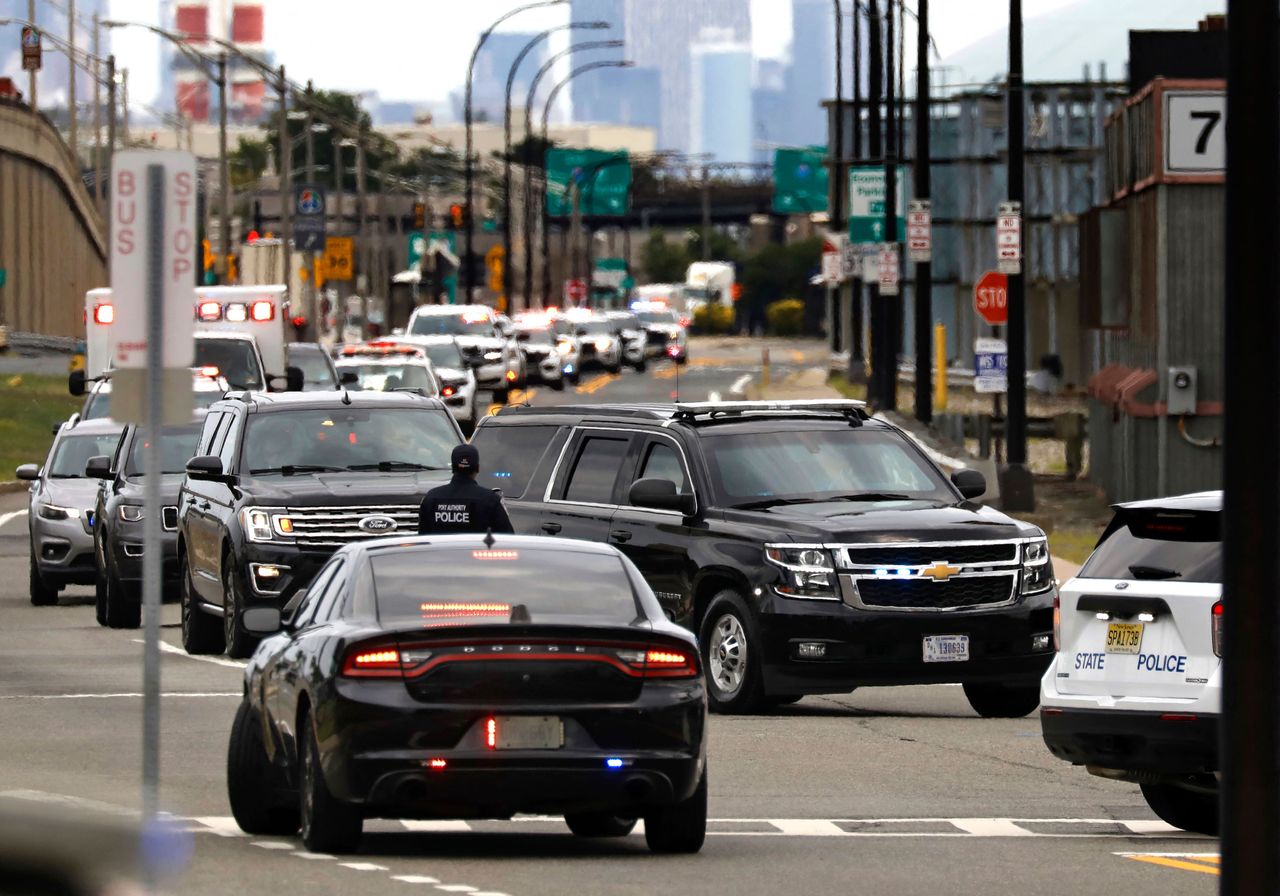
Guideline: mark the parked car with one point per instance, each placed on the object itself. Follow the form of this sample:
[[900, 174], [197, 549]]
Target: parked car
[[1135, 691], [60, 513], [813, 549]]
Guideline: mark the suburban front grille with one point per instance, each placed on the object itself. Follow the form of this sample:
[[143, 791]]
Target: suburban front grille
[[336, 526], [169, 516], [656, 338], [923, 594], [910, 555]]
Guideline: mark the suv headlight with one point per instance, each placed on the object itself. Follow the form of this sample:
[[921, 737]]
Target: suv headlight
[[261, 524], [54, 512], [493, 356], [807, 571], [131, 513], [1037, 571]]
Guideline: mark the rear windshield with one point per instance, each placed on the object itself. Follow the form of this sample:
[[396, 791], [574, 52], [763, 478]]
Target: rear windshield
[[177, 446], [73, 452], [235, 359], [451, 325], [510, 454], [465, 586], [1167, 545], [539, 336], [657, 317]]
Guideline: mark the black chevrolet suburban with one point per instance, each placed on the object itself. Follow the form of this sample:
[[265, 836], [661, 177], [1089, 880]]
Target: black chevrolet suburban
[[281, 481], [812, 549]]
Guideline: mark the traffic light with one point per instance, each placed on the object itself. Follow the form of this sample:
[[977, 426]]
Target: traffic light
[[208, 254], [233, 273], [457, 215], [257, 216], [419, 215]]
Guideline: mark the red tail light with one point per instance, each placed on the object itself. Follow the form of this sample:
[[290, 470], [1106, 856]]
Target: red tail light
[[373, 662], [670, 664], [1216, 620], [104, 314], [447, 391], [491, 733], [1057, 621]]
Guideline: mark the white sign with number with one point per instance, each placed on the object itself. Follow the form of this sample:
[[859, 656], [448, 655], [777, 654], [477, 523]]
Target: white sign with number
[[889, 269], [990, 366], [131, 242], [1009, 238], [831, 267], [920, 230], [1195, 132]]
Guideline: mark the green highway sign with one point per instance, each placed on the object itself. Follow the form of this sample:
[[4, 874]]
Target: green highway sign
[[866, 204], [4, 276], [800, 180], [602, 179], [417, 248]]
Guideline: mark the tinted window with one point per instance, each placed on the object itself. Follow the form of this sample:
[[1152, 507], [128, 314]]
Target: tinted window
[[235, 359], [510, 454], [315, 595], [73, 452], [747, 467], [331, 601], [209, 433], [594, 328], [1161, 545], [347, 438], [535, 337], [228, 442], [663, 462], [466, 587], [451, 325], [97, 406], [389, 377], [177, 446], [596, 470], [316, 374]]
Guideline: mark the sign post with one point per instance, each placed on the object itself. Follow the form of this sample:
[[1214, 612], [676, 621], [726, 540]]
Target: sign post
[[1009, 238], [153, 270], [31, 49], [991, 298]]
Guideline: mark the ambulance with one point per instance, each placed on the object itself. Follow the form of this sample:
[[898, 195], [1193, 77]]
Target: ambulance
[[239, 330]]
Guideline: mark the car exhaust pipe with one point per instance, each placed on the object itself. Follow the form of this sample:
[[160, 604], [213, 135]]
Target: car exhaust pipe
[[637, 788], [412, 791]]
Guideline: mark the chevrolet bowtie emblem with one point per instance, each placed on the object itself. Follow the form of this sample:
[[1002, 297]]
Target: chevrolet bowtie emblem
[[940, 572]]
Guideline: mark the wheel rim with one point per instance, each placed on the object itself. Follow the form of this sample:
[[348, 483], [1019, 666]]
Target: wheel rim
[[727, 654], [229, 608], [185, 601], [308, 789]]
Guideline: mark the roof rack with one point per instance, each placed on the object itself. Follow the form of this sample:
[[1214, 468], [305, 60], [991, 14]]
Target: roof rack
[[689, 410], [649, 412]]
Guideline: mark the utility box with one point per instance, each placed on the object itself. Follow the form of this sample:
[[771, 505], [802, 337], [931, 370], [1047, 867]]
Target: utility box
[[1182, 392]]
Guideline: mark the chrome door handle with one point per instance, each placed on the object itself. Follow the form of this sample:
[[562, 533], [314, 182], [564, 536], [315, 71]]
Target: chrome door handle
[[620, 535], [551, 528]]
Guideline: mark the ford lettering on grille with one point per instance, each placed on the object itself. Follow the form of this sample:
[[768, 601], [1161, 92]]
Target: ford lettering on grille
[[378, 524]]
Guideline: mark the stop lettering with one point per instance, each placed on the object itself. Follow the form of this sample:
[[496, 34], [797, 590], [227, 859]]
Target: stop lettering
[[991, 298]]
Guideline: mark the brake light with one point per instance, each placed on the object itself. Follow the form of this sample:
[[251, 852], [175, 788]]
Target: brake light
[[381, 662], [461, 610], [236, 313], [670, 664], [209, 311], [210, 371], [495, 555], [447, 391], [1057, 621], [673, 351], [299, 322], [104, 314], [437, 765], [491, 733], [1216, 621], [262, 311]]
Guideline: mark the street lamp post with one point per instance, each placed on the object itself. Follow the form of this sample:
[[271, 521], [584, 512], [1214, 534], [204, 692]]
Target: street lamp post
[[506, 156], [546, 114], [528, 139], [837, 194], [924, 269], [286, 177], [468, 165]]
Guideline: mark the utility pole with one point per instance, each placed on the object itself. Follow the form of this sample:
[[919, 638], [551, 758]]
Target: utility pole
[[706, 212], [97, 116], [1250, 809], [361, 218], [310, 288], [857, 372], [875, 153], [286, 180], [31, 74], [924, 269], [835, 291], [890, 306], [124, 108], [111, 110], [72, 135], [224, 171], [1017, 489]]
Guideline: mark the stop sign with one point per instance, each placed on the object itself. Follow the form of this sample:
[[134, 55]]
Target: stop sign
[[991, 298], [575, 291]]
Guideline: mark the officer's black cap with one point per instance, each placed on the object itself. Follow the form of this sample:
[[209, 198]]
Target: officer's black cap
[[466, 459]]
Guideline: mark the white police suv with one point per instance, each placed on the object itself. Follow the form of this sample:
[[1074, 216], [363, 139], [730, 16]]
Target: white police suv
[[1134, 693]]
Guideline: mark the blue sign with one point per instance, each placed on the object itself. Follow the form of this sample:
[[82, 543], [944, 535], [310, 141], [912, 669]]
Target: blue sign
[[990, 366], [309, 217]]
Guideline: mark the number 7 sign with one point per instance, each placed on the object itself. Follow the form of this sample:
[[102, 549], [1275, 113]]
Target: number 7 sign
[[1195, 131]]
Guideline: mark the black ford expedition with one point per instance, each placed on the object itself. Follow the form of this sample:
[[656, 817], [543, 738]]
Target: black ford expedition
[[812, 549], [279, 482]]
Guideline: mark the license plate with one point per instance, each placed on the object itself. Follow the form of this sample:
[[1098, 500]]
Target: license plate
[[946, 648], [528, 733], [1124, 637]]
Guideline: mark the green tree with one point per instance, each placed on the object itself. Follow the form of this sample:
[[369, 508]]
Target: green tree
[[779, 272], [723, 248], [247, 162], [664, 262], [380, 152]]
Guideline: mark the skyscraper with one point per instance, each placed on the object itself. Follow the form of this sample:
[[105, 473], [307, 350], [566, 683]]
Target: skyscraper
[[488, 90], [812, 75], [720, 97], [594, 96]]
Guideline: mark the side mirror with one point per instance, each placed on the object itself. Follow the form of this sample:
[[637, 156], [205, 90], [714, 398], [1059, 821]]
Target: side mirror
[[661, 494], [971, 483], [28, 472], [76, 383], [98, 467], [348, 377], [207, 468], [55, 428], [262, 620]]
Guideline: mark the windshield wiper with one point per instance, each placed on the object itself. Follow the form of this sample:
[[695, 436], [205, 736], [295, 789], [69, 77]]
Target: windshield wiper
[[291, 469], [386, 466], [1153, 573], [870, 496]]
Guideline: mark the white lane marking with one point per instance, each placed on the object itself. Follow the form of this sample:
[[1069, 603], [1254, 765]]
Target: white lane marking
[[105, 696], [166, 647], [1151, 827], [456, 888], [414, 879], [6, 518], [222, 825], [990, 827], [807, 827], [314, 856], [434, 827], [272, 844], [364, 866]]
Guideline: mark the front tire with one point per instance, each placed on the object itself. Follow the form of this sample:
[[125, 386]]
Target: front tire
[[328, 824], [122, 607], [681, 828], [42, 595], [599, 824], [998, 701], [253, 785], [557, 385], [201, 633], [1182, 808], [731, 655], [239, 643]]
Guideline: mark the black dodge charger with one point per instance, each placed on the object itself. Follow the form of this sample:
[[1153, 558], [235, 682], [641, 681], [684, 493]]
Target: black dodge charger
[[459, 677]]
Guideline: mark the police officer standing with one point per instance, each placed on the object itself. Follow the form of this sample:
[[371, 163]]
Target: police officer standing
[[463, 506]]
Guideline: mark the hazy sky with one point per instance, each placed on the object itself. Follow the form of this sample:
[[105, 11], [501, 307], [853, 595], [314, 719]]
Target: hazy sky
[[418, 49]]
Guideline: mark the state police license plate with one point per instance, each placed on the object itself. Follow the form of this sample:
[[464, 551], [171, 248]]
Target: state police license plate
[[946, 648], [528, 733]]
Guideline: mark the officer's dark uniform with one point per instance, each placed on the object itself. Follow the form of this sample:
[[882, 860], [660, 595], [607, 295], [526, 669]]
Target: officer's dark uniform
[[463, 506]]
